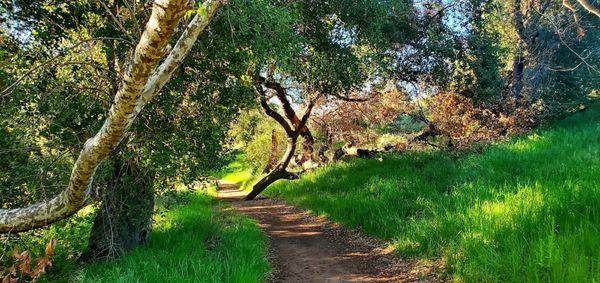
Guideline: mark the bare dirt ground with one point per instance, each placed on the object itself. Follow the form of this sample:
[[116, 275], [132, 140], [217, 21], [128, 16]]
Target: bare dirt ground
[[308, 248]]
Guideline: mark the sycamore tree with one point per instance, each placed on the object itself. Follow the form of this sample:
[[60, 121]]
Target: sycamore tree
[[177, 138], [82, 39]]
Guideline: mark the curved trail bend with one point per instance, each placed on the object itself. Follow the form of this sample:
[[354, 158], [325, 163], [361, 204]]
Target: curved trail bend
[[308, 248]]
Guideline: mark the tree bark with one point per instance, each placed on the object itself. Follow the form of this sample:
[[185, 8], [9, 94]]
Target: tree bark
[[517, 76], [125, 217], [586, 5], [186, 41], [273, 155], [279, 172], [124, 220], [308, 148]]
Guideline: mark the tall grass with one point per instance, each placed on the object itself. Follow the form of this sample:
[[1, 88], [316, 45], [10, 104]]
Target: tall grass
[[523, 210], [191, 243]]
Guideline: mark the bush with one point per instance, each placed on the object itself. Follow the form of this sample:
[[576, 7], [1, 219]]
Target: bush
[[462, 121], [22, 270]]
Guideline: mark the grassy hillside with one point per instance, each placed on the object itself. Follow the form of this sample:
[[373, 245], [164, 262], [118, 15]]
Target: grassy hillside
[[523, 210]]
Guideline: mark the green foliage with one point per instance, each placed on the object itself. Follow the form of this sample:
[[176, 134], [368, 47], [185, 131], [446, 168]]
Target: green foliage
[[565, 68], [478, 72], [191, 242], [238, 171], [521, 210], [259, 149], [192, 238], [71, 235], [252, 132]]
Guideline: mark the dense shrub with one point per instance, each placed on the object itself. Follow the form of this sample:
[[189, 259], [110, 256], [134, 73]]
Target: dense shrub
[[463, 121]]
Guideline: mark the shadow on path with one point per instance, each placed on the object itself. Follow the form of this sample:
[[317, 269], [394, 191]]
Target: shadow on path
[[308, 248]]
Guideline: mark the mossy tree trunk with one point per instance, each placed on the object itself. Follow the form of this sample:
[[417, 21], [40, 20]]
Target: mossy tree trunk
[[124, 220]]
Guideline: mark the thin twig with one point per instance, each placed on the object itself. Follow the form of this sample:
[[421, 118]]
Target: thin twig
[[32, 70]]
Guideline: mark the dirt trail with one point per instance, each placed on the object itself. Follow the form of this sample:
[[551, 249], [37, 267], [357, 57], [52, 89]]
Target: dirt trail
[[307, 248]]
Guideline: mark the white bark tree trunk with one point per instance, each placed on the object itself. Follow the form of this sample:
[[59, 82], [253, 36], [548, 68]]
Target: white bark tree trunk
[[163, 73], [588, 7], [142, 81]]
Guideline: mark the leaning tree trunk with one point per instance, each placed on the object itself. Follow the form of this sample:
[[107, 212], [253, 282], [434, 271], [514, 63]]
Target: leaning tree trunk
[[279, 171], [292, 130], [159, 29], [125, 217], [137, 88], [124, 220], [307, 157]]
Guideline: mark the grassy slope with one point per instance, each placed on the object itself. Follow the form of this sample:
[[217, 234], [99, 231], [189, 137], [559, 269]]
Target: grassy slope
[[194, 241], [527, 209], [191, 243]]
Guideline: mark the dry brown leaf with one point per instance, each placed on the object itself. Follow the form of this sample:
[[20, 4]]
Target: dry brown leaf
[[50, 247]]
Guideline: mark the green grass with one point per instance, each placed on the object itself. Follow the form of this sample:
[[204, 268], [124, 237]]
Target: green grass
[[526, 210], [240, 172], [194, 242]]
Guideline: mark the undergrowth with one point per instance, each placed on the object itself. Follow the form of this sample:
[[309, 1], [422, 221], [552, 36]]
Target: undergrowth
[[191, 243]]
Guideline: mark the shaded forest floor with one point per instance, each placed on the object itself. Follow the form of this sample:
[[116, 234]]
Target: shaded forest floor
[[308, 248]]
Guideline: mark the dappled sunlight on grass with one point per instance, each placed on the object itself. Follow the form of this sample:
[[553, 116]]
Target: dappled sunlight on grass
[[239, 172], [238, 177], [191, 242], [525, 208]]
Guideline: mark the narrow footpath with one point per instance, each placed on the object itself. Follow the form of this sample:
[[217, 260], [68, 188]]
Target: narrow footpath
[[308, 248]]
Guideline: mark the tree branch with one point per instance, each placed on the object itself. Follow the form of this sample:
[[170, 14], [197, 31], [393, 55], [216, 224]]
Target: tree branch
[[350, 99], [163, 73], [151, 47], [307, 112], [586, 5], [262, 100]]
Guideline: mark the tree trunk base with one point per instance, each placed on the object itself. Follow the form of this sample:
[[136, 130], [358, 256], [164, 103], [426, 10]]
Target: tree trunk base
[[125, 217], [278, 174]]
